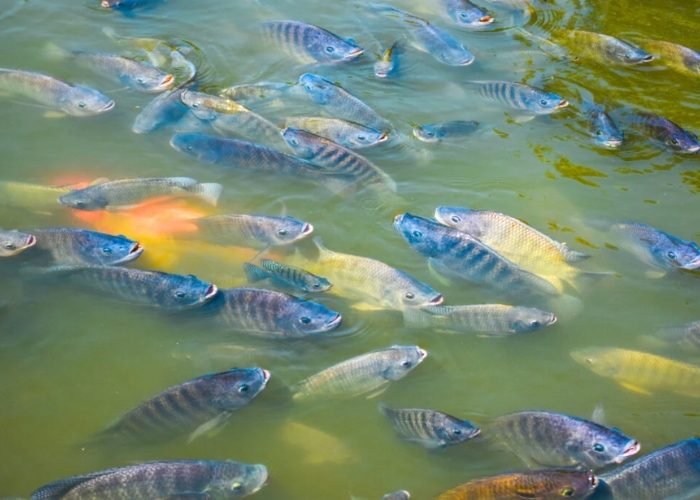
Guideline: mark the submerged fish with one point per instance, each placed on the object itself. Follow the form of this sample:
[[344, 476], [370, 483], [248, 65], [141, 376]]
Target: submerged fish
[[310, 43], [28, 196], [272, 314], [606, 48], [347, 134], [200, 405], [521, 97], [258, 230], [554, 439], [168, 479], [492, 319], [658, 248], [69, 246], [686, 336], [430, 428], [445, 131], [457, 254], [387, 63], [544, 484], [125, 193], [363, 374], [641, 372], [602, 127], [14, 242], [670, 472], [75, 100], [165, 109], [286, 276], [676, 57], [259, 92], [666, 132], [125, 4], [316, 447], [467, 15]]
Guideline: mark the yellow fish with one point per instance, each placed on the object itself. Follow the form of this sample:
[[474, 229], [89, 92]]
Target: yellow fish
[[676, 57], [34, 197], [641, 372], [316, 447]]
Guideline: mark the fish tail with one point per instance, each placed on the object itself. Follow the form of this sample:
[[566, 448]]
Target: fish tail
[[573, 255], [56, 53], [210, 192], [254, 273]]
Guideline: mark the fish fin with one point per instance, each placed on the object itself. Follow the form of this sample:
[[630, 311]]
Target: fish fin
[[322, 250], [254, 273], [364, 306], [572, 256], [634, 388], [210, 192], [598, 415], [56, 53], [523, 118], [54, 114], [210, 427], [60, 488], [376, 393], [654, 275], [438, 270]]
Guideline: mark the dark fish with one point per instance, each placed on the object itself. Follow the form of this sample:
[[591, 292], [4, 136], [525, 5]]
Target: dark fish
[[15, 242], [521, 97], [670, 472], [445, 131], [666, 132], [177, 479], [430, 428], [165, 109], [201, 405], [606, 48], [310, 43], [687, 336], [69, 246], [257, 230], [658, 248], [467, 15], [285, 276], [554, 439], [602, 127], [271, 314]]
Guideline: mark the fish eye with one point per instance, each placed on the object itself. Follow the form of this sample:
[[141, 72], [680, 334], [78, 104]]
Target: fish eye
[[140, 80], [429, 133], [671, 255], [106, 250], [567, 491], [237, 487], [179, 294], [406, 364], [80, 204], [544, 102], [330, 49], [305, 320], [417, 234], [456, 219], [190, 148], [243, 388], [9, 246], [675, 141], [534, 323], [457, 432], [409, 295], [195, 104], [316, 285], [361, 138], [598, 133], [589, 361], [82, 105], [597, 447], [293, 142], [282, 232]]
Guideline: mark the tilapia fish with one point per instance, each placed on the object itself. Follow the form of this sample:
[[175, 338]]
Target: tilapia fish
[[677, 57], [35, 197], [285, 276], [257, 230], [310, 43], [445, 131], [521, 97], [656, 247], [605, 48], [602, 127], [15, 242], [465, 14], [665, 132], [76, 247], [347, 134], [165, 109]]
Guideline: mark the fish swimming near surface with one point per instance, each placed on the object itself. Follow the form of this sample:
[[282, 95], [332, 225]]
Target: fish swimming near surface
[[430, 428], [545, 484], [285, 276], [309, 43], [252, 93], [77, 247], [465, 14], [520, 97], [125, 193], [669, 472], [167, 479], [602, 127], [165, 109], [397, 495], [686, 336], [348, 134], [388, 62], [445, 131], [641, 372], [257, 230], [665, 132], [15, 242], [604, 49], [35, 197], [266, 313], [488, 319], [367, 373], [71, 99], [200, 406], [556, 440], [677, 57]]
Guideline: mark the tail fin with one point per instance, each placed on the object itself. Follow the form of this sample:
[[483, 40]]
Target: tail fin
[[210, 192], [254, 273], [572, 256], [56, 53]]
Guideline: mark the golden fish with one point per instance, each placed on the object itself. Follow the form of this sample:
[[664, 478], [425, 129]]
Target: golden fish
[[316, 447], [677, 57]]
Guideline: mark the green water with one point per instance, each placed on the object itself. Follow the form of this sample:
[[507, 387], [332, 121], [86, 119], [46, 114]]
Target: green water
[[72, 362]]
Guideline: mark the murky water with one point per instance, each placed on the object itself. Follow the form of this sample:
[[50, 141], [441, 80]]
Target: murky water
[[72, 362]]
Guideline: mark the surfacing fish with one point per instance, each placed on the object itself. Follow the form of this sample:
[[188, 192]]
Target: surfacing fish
[[285, 276], [465, 14], [445, 131], [606, 48], [677, 57], [257, 230], [69, 246], [665, 132], [15, 242], [387, 63], [165, 109], [348, 134], [602, 127], [521, 97]]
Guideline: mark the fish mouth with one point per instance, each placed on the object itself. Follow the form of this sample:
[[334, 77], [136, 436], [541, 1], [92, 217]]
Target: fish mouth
[[211, 291], [31, 241], [354, 53], [693, 149], [266, 376], [422, 354], [692, 265], [398, 219], [647, 58], [334, 322], [105, 4], [383, 137], [436, 301], [592, 479], [632, 449], [134, 253], [167, 81], [466, 61], [562, 104], [612, 143], [553, 320], [486, 20], [307, 229], [107, 106]]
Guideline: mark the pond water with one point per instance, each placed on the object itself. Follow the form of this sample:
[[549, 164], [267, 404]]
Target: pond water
[[73, 361]]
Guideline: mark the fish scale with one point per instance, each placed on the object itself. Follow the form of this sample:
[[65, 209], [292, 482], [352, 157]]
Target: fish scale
[[428, 427]]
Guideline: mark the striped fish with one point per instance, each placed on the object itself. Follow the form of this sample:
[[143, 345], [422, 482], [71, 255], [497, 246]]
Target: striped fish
[[521, 97], [286, 276], [69, 246], [430, 428], [15, 242], [602, 127], [665, 132], [347, 134], [256, 230], [310, 43]]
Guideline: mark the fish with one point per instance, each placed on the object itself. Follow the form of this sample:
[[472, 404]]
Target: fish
[[665, 132], [686, 336], [429, 38], [337, 159], [310, 43], [669, 472], [606, 49], [124, 4], [676, 57], [258, 230], [276, 315], [397, 495], [657, 248], [641, 372], [348, 134], [387, 64], [339, 103], [71, 99], [165, 109], [165, 479], [69, 246], [551, 439], [35, 197], [125, 193], [465, 14], [286, 276], [521, 97], [445, 131], [15, 242], [456, 254], [429, 428], [166, 291], [200, 405], [491, 319], [545, 484], [363, 374], [259, 92], [316, 447], [602, 127]]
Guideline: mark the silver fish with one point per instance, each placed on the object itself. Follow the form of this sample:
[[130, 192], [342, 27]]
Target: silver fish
[[257, 230], [348, 134], [521, 97], [658, 248], [15, 242], [465, 14], [445, 131], [286, 276], [165, 109], [76, 247]]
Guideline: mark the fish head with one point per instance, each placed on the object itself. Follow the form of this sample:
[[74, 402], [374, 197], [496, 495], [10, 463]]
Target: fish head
[[316, 284], [597, 446], [304, 144], [15, 242], [454, 54], [453, 430], [102, 249], [564, 483], [463, 219], [231, 479], [299, 317], [280, 231], [420, 233], [469, 16], [235, 388], [672, 252], [364, 137], [691, 60], [201, 146], [401, 359], [427, 133], [405, 291], [604, 130], [83, 199], [84, 101], [541, 102], [148, 79], [328, 48], [679, 139], [196, 101], [184, 291], [626, 53], [529, 319], [382, 68], [319, 89], [601, 360]]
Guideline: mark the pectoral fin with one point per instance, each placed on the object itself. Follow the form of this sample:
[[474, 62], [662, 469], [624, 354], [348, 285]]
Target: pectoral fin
[[364, 306], [654, 275], [54, 114], [210, 427], [634, 388]]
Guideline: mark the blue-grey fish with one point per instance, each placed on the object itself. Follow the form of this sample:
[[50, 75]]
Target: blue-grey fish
[[397, 495], [430, 39], [285, 276], [125, 193], [666, 132], [658, 248], [251, 93], [176, 479], [339, 103], [521, 97], [686, 336], [457, 254], [606, 48], [348, 134], [669, 472], [387, 64], [602, 127], [554, 439], [69, 246], [491, 319], [430, 428], [310, 43], [677, 57], [467, 15], [75, 100], [363, 374], [271, 314], [258, 230], [445, 131], [199, 406], [165, 109], [15, 242]]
